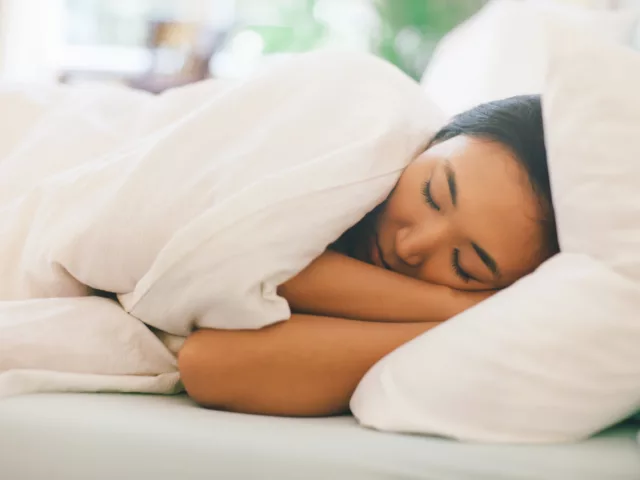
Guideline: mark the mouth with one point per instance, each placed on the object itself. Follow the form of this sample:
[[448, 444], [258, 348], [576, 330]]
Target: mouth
[[376, 254]]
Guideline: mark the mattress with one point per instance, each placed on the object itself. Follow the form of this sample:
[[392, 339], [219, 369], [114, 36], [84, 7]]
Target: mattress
[[109, 436]]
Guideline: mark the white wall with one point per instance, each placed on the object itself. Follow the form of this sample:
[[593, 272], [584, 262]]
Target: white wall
[[30, 39]]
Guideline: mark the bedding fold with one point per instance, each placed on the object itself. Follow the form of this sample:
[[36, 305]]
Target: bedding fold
[[192, 207]]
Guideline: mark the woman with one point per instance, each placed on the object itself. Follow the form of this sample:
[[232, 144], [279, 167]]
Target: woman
[[469, 216]]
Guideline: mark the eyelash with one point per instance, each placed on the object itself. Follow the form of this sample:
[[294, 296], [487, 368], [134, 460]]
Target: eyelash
[[455, 259], [426, 193], [455, 263]]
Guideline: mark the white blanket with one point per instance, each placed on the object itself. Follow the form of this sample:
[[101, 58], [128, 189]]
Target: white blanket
[[192, 206]]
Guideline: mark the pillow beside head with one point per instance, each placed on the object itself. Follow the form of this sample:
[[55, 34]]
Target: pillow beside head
[[500, 52], [555, 357]]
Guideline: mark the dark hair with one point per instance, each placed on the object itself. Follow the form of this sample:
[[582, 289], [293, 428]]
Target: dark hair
[[516, 123]]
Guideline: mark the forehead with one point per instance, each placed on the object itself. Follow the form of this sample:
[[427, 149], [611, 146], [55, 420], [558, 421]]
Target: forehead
[[497, 207]]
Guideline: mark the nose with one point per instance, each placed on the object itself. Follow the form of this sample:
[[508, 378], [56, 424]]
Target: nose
[[416, 243]]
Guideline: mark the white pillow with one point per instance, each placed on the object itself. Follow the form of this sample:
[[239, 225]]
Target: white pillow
[[500, 52], [555, 357]]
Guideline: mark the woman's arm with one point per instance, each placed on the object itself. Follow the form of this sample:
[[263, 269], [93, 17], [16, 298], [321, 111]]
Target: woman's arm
[[340, 286], [305, 366]]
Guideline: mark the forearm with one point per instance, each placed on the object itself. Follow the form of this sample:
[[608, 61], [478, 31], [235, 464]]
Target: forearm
[[305, 366], [340, 286]]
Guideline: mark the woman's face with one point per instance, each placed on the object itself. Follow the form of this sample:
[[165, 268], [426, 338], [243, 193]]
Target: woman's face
[[463, 214]]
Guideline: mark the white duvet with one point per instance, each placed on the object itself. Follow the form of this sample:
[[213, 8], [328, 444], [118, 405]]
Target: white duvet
[[192, 206]]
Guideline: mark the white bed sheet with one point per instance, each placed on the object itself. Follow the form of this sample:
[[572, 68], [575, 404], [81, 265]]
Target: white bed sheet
[[107, 436]]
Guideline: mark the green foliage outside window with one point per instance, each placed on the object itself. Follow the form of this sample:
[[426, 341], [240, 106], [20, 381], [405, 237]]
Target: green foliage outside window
[[406, 31]]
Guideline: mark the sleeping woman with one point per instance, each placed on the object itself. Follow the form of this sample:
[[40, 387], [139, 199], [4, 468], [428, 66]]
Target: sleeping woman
[[470, 216]]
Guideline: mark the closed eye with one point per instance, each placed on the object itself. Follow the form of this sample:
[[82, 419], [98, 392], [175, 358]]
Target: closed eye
[[457, 268], [426, 193]]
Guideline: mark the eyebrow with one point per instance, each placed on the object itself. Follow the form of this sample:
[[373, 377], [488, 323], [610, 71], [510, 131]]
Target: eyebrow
[[451, 180], [486, 259]]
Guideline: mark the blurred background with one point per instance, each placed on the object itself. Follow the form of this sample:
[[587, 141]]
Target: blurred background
[[157, 44]]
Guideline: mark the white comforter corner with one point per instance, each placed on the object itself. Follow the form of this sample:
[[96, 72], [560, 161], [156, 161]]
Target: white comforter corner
[[192, 206]]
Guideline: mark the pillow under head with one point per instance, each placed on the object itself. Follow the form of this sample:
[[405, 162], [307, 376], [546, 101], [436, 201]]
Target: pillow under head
[[555, 357]]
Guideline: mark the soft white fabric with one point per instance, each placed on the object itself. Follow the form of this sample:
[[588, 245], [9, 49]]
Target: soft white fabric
[[556, 356], [192, 206], [86, 343], [500, 52]]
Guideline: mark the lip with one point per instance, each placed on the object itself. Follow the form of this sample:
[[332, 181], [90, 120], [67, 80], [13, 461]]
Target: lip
[[376, 254]]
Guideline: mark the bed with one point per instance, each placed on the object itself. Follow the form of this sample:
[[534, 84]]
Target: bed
[[109, 436]]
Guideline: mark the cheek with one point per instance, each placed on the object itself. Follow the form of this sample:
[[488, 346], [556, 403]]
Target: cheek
[[395, 215], [405, 204]]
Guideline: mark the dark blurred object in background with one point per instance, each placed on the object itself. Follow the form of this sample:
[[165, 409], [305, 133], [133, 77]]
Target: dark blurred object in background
[[158, 44], [195, 43]]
